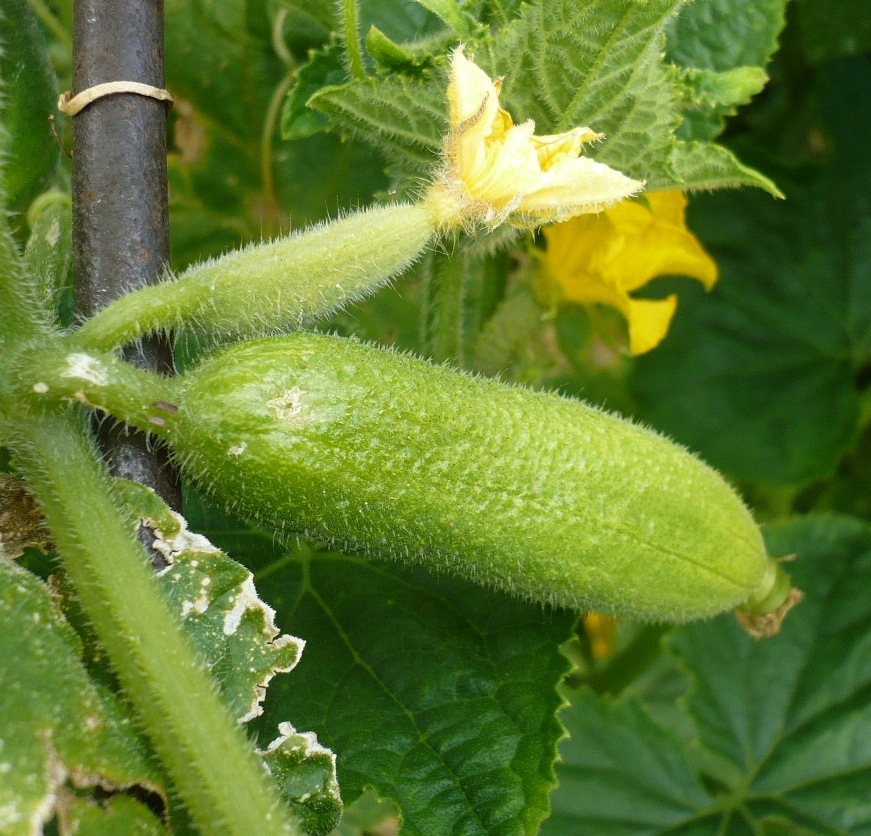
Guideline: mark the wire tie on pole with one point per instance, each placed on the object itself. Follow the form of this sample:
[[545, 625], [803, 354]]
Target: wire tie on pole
[[71, 105]]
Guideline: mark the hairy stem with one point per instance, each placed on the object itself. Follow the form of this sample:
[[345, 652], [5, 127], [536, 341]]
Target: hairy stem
[[351, 37], [207, 755]]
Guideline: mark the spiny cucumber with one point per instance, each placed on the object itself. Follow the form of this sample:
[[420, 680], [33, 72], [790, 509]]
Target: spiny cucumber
[[535, 494]]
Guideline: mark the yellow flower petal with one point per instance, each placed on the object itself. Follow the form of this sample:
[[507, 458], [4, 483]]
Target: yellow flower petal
[[656, 242], [648, 322], [603, 258], [497, 171]]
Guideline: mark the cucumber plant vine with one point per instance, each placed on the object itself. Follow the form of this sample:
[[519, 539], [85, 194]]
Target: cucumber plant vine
[[363, 449]]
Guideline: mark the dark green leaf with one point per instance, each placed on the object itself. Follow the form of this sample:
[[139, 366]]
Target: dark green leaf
[[709, 97], [235, 633], [403, 21], [29, 97], [306, 773], [831, 28], [723, 34], [58, 726], [231, 177], [324, 67], [783, 725], [720, 38], [439, 695], [120, 814], [759, 376], [307, 22]]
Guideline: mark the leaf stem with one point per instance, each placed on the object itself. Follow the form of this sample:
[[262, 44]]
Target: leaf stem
[[351, 36], [207, 755], [52, 23], [267, 142]]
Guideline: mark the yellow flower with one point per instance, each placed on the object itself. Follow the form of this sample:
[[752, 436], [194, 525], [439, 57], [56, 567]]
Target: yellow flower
[[497, 171], [603, 258], [601, 633]]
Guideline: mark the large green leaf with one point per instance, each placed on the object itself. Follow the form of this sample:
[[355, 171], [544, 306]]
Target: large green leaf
[[724, 46], [565, 63], [235, 633], [782, 725], [723, 34], [437, 694], [61, 733], [760, 375]]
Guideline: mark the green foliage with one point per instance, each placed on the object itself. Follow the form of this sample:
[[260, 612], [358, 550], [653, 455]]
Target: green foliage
[[602, 67], [441, 700], [779, 730], [789, 314], [68, 735], [437, 699], [829, 30], [231, 180], [29, 96]]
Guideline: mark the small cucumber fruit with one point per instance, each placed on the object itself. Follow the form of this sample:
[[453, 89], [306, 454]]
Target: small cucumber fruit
[[538, 495]]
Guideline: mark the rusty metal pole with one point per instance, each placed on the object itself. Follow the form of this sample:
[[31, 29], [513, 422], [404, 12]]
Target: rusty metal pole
[[120, 218]]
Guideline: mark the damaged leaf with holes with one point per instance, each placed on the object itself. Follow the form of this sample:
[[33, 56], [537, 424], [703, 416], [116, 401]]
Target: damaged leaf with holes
[[235, 633]]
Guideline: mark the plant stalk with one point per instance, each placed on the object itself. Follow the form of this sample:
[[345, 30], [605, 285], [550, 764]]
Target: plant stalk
[[211, 762]]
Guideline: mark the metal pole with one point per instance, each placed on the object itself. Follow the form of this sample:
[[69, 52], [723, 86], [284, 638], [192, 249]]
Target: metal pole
[[120, 223]]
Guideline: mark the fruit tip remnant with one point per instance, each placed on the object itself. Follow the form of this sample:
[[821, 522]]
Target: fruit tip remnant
[[768, 624]]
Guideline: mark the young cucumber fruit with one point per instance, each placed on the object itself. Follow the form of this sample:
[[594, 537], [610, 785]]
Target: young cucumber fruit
[[534, 494]]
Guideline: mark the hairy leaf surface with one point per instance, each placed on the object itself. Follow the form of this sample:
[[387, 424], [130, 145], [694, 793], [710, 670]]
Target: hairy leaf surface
[[782, 725], [435, 693]]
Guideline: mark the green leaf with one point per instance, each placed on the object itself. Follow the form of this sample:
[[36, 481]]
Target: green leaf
[[29, 91], [404, 115], [723, 34], [306, 773], [119, 814], [324, 67], [832, 29], [564, 64], [235, 634], [59, 729], [435, 693], [307, 22], [782, 725], [452, 13], [403, 21], [760, 375], [709, 97], [231, 627], [716, 167], [726, 41]]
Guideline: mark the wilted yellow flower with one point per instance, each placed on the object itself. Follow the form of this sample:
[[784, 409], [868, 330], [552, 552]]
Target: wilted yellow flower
[[603, 258], [497, 171]]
